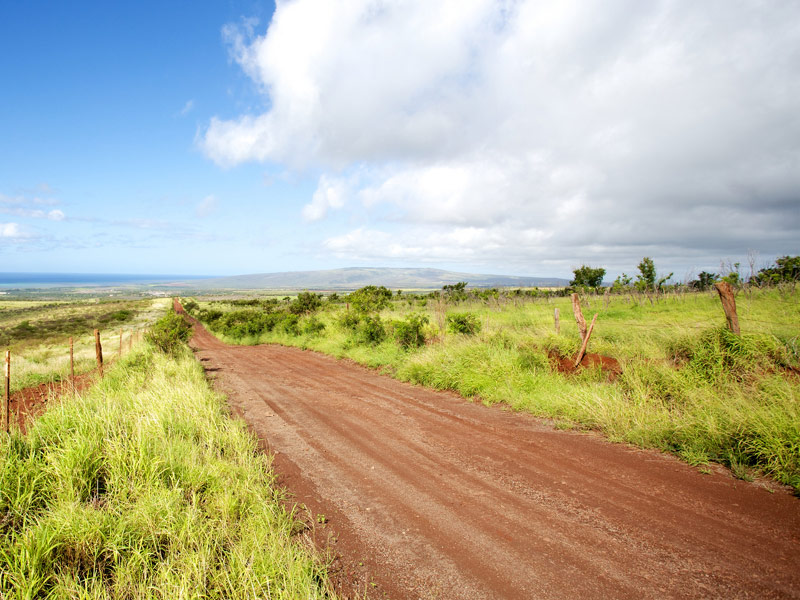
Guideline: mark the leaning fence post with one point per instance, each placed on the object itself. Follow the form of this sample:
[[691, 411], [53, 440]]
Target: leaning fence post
[[8, 391], [725, 291], [98, 349], [576, 309], [558, 321], [585, 342]]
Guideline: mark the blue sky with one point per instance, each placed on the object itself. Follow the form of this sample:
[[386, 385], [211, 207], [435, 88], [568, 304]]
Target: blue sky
[[479, 135]]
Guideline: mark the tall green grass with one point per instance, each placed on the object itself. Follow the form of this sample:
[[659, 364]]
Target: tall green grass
[[144, 488], [688, 386]]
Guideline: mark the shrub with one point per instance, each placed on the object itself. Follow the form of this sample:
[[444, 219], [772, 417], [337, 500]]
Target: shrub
[[305, 303], [169, 333], [190, 306], [349, 321], [466, 323], [410, 332], [371, 331], [370, 299], [313, 326]]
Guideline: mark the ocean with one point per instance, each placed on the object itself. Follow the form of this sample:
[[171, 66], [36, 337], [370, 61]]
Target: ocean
[[35, 280]]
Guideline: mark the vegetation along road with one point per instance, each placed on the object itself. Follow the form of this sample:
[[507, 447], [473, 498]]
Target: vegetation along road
[[426, 495]]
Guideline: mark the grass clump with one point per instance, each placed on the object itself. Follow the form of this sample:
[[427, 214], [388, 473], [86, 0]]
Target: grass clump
[[144, 488]]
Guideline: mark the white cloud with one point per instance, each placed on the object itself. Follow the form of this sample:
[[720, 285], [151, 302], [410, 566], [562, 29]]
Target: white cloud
[[21, 206], [10, 230], [206, 206], [618, 127], [330, 193], [187, 108]]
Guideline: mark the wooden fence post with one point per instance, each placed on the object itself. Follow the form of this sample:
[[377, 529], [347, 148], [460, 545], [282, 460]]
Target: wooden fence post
[[585, 342], [8, 390], [725, 291], [558, 321], [576, 309], [98, 349]]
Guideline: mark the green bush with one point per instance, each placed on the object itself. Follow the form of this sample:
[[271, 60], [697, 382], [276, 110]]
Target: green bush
[[169, 333], [313, 326], [305, 303], [370, 299], [410, 333], [466, 323], [371, 330], [349, 321]]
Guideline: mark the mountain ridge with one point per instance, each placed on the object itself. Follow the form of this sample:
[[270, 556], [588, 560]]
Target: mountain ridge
[[351, 278]]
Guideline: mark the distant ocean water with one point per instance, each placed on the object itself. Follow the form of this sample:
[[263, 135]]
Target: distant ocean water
[[32, 280]]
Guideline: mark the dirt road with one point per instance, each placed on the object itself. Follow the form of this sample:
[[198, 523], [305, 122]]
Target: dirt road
[[426, 495]]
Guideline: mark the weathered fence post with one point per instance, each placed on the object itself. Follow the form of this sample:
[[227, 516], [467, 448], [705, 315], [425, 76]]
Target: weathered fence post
[[8, 391], [585, 342], [576, 309], [725, 291], [558, 321], [98, 349]]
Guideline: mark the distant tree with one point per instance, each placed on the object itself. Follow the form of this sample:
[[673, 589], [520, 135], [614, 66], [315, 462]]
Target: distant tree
[[785, 269], [647, 274], [704, 281], [455, 291], [588, 276], [622, 282], [646, 279]]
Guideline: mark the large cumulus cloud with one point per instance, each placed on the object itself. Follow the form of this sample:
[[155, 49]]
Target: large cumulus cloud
[[524, 133]]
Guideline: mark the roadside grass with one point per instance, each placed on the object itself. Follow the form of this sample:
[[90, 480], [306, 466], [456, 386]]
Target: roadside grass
[[687, 385], [43, 356], [144, 488]]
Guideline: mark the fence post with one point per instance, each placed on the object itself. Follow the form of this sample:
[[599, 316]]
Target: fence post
[[576, 309], [98, 349], [8, 390], [585, 342], [725, 291], [558, 322]]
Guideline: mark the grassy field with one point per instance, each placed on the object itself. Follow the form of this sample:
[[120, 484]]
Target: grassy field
[[144, 488], [687, 385], [37, 333]]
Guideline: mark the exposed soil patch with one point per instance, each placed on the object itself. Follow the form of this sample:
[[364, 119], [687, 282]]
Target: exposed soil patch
[[422, 494], [608, 365], [31, 402]]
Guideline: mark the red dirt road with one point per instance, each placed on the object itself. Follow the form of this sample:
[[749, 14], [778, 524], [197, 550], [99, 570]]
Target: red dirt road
[[427, 495]]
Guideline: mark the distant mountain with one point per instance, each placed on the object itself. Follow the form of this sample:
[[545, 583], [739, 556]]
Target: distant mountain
[[354, 278]]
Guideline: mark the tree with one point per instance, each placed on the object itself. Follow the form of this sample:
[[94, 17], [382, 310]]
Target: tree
[[646, 278], [703, 282], [622, 282], [587, 276], [786, 268], [455, 291]]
